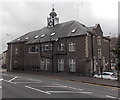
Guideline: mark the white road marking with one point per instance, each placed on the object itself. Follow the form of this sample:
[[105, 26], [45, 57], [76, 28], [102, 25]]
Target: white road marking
[[8, 81], [56, 84], [110, 96], [9, 75], [80, 89], [34, 80], [86, 92], [69, 92], [13, 79], [68, 87], [0, 87], [26, 82], [60, 91], [38, 90], [53, 86], [71, 87], [1, 79]]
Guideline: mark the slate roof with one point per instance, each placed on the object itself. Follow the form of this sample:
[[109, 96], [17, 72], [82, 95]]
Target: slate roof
[[66, 29]]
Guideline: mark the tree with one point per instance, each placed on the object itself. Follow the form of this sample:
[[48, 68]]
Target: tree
[[116, 51]]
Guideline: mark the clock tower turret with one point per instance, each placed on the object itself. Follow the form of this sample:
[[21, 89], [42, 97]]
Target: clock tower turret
[[52, 20]]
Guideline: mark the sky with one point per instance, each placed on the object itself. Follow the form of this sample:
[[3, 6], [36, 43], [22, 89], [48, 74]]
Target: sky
[[17, 17]]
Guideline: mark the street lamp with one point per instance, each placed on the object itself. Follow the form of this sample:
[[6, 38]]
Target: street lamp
[[10, 53]]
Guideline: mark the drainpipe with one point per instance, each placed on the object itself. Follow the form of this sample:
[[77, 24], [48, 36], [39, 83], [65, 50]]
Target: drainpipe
[[53, 57], [92, 54], [110, 53], [11, 57], [39, 53]]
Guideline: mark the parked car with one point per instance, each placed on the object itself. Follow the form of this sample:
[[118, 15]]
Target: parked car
[[106, 75]]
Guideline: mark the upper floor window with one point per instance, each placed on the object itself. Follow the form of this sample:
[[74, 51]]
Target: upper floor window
[[16, 51], [33, 49], [61, 47], [99, 54], [46, 47], [51, 46], [71, 46], [98, 40], [86, 46], [42, 47]]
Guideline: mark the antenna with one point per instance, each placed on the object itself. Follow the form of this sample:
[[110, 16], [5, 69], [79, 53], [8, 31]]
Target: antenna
[[53, 5], [53, 8], [77, 11]]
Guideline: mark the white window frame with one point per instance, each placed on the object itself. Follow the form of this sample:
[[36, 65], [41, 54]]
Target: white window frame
[[16, 51], [61, 47], [36, 49], [47, 62], [51, 46], [72, 65], [46, 47], [72, 46], [60, 64], [42, 64], [99, 40], [99, 53]]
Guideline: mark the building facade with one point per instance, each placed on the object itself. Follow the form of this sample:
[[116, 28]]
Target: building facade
[[4, 59], [68, 47]]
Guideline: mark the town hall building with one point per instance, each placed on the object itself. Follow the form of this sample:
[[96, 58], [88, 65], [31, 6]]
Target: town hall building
[[69, 47]]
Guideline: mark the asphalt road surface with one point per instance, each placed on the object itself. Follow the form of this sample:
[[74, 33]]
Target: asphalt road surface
[[16, 85]]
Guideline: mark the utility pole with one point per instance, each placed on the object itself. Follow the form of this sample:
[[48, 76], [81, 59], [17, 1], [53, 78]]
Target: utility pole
[[10, 52]]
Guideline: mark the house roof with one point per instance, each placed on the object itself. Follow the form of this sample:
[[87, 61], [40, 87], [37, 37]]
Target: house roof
[[66, 29]]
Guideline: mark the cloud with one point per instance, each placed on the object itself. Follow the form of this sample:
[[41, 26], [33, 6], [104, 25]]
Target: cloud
[[18, 18]]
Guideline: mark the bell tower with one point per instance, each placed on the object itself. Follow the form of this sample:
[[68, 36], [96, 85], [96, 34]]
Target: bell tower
[[52, 20]]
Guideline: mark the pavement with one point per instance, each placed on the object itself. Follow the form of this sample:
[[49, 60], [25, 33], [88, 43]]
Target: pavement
[[76, 78]]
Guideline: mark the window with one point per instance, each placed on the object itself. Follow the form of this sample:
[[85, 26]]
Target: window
[[72, 65], [52, 34], [27, 38], [51, 46], [47, 61], [33, 49], [36, 36], [61, 47], [60, 64], [46, 47], [18, 39], [16, 51], [99, 54], [42, 47], [42, 64], [43, 35], [72, 46], [73, 31], [99, 40]]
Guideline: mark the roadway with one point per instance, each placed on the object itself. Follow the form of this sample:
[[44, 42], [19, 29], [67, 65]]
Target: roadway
[[25, 85]]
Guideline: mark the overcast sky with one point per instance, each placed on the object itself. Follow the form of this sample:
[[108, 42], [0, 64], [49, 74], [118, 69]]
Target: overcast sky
[[18, 17]]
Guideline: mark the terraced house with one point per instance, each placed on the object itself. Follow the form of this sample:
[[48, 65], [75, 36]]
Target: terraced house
[[69, 47]]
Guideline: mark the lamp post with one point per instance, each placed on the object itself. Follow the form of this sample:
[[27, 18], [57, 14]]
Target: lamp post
[[10, 53]]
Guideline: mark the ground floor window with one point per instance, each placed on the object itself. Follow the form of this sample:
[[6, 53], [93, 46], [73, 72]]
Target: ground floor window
[[45, 63], [72, 65], [60, 64], [42, 64]]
